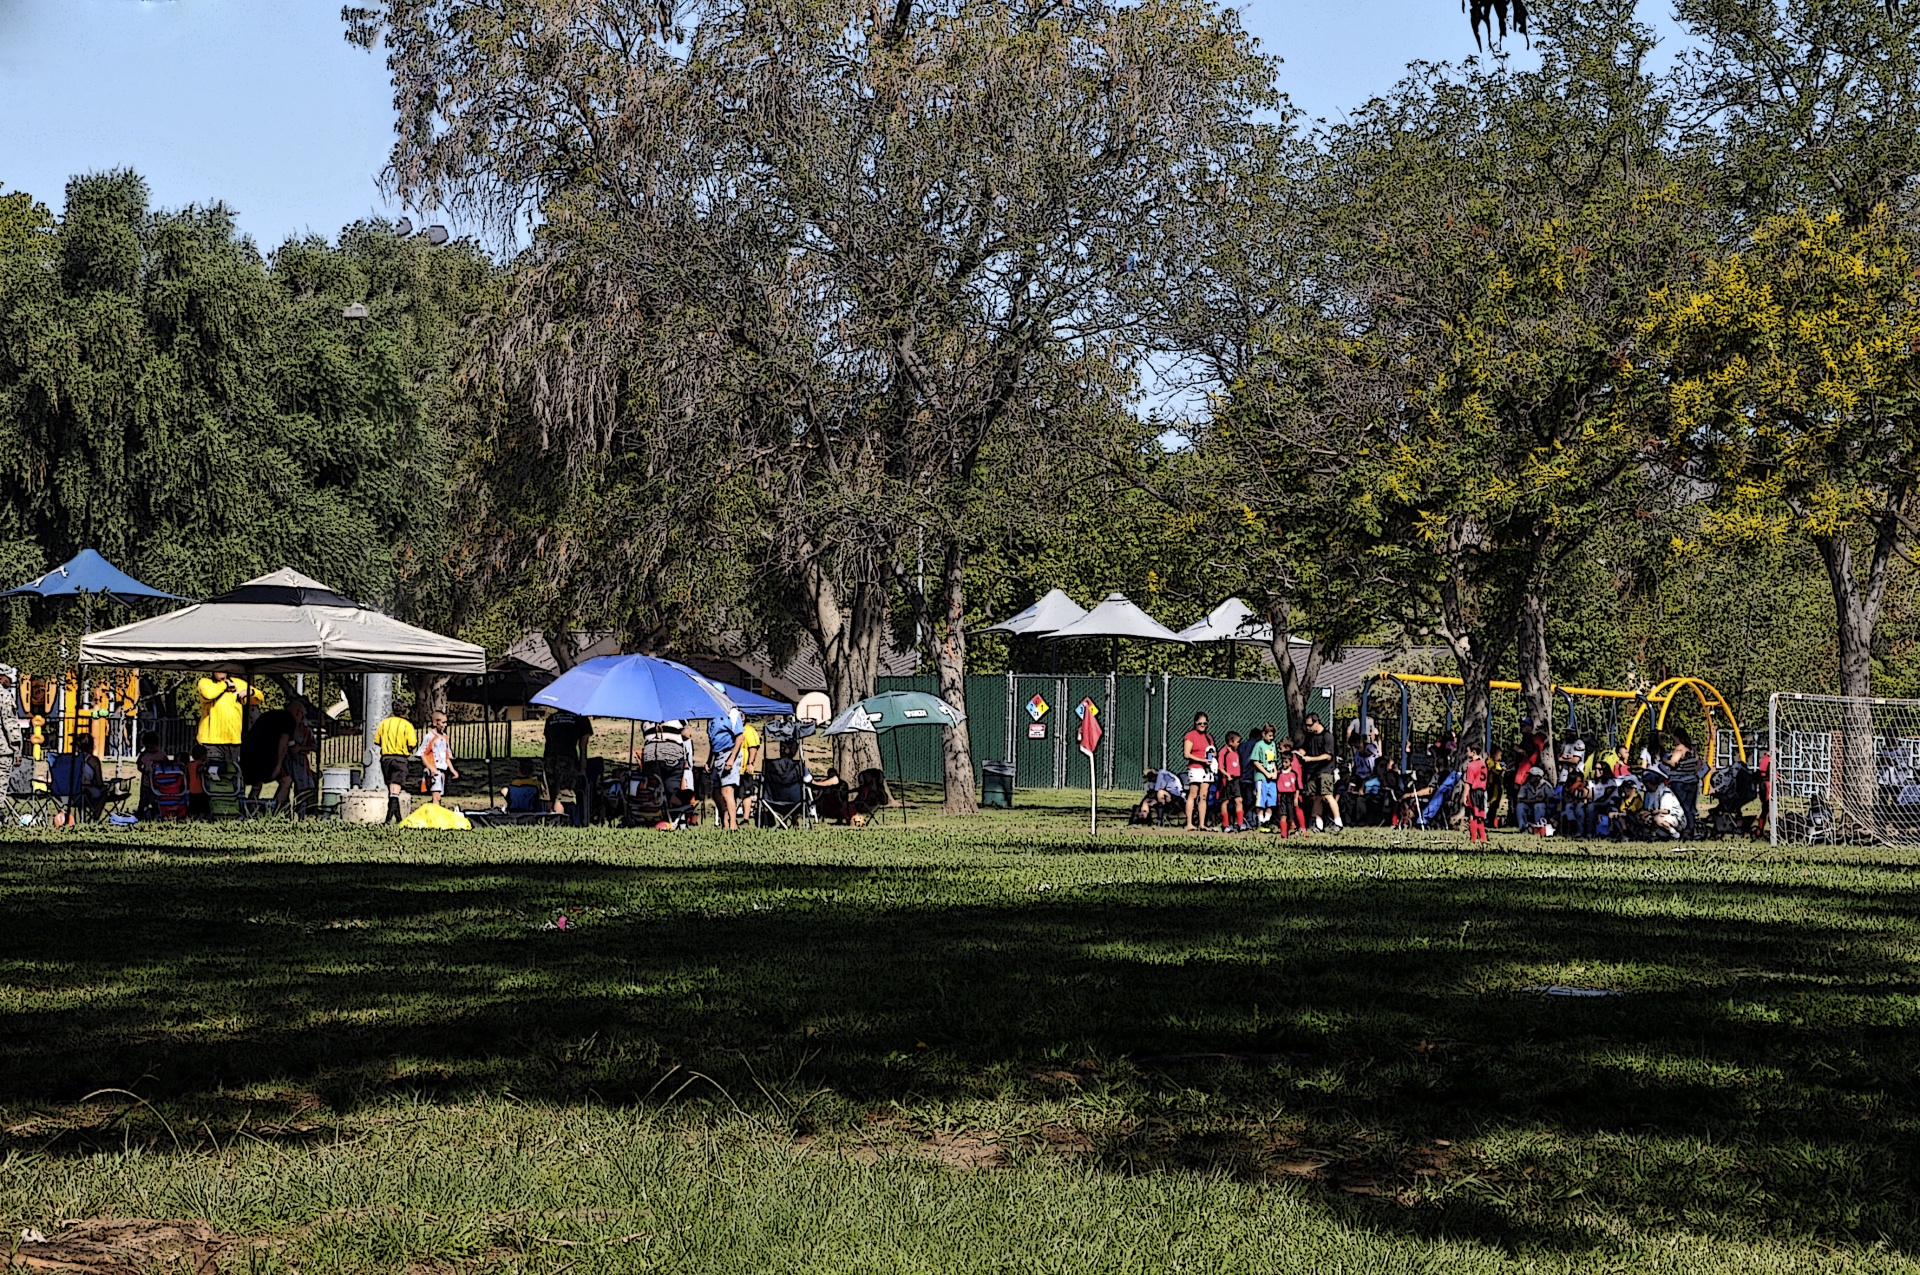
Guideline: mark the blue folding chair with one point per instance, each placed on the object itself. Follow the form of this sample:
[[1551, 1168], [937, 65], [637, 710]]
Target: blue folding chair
[[66, 790]]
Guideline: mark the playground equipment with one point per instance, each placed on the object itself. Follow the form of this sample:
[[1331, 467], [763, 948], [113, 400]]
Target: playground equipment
[[1662, 697], [1659, 701]]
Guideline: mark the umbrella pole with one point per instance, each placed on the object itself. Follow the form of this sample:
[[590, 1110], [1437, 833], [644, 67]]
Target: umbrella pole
[[903, 785], [486, 681]]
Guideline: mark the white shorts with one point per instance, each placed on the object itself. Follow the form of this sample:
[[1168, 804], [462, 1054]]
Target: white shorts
[[1198, 775], [439, 783]]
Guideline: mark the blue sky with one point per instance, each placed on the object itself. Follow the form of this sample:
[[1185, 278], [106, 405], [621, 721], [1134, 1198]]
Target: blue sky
[[260, 103]]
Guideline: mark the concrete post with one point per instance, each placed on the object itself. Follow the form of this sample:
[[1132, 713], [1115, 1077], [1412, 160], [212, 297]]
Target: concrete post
[[377, 702]]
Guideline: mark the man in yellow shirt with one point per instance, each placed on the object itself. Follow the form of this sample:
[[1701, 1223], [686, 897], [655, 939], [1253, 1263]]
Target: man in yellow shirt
[[749, 769], [397, 740], [223, 715]]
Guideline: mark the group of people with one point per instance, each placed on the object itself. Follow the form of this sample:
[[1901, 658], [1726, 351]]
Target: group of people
[[1575, 788], [1258, 781], [732, 773], [1267, 780]]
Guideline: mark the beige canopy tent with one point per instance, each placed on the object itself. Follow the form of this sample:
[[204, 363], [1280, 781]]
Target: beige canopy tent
[[284, 622]]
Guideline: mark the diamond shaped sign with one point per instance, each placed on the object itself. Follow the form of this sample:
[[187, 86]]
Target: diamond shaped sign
[[1037, 707]]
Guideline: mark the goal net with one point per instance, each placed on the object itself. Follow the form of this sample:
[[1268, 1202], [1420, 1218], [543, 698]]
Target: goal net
[[1845, 770]]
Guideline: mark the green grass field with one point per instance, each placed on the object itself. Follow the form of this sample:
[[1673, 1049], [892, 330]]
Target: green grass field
[[980, 1045]]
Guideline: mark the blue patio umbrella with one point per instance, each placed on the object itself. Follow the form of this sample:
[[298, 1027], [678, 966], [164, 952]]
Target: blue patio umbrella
[[755, 705], [85, 576], [86, 573], [641, 688]]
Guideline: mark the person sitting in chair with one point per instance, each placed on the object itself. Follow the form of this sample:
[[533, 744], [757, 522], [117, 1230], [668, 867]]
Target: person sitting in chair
[[524, 795], [90, 789], [830, 797]]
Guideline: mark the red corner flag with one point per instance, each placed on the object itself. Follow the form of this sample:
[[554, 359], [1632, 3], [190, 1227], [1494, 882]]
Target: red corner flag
[[1089, 727]]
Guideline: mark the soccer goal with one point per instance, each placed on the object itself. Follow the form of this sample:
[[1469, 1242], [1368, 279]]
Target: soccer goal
[[1845, 770]]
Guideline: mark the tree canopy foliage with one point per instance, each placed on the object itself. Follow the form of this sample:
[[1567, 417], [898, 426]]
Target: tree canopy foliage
[[822, 324]]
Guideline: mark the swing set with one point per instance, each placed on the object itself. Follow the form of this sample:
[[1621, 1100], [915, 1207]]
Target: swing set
[[1658, 701]]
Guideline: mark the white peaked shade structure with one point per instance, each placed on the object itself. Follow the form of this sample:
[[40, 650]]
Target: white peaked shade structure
[[1116, 618], [284, 622], [1231, 621], [1049, 614]]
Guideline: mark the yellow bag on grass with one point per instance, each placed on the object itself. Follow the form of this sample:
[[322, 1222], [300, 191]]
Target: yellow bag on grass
[[432, 816]]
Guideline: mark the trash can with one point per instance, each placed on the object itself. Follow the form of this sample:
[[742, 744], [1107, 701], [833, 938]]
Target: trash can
[[996, 784]]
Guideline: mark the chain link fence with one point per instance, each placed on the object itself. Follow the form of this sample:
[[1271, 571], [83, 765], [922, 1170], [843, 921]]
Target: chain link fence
[[1030, 720]]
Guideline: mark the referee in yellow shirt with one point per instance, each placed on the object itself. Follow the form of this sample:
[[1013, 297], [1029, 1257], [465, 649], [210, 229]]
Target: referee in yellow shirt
[[397, 740]]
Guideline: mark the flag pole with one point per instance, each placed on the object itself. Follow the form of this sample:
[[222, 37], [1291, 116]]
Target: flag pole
[[1093, 803], [1089, 745]]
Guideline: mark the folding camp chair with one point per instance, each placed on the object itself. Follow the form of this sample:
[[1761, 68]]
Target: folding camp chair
[[166, 790], [18, 803], [870, 794], [224, 790], [784, 799], [66, 792]]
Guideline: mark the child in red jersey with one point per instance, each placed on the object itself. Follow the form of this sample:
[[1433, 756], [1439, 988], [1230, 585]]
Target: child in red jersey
[[1475, 775]]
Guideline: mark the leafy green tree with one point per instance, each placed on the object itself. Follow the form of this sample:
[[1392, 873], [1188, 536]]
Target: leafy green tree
[[1793, 372], [201, 415], [850, 244], [1493, 238]]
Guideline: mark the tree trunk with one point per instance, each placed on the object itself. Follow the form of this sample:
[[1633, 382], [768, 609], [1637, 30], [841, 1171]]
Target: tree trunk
[[565, 646], [430, 693], [950, 662], [1297, 679], [1536, 674], [849, 641], [1475, 638], [1856, 610]]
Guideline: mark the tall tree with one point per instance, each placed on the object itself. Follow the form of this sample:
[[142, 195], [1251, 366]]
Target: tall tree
[[886, 230], [1499, 235], [1793, 370], [200, 414]]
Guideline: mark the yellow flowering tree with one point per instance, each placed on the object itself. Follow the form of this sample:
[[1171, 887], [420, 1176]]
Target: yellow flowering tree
[[1792, 373]]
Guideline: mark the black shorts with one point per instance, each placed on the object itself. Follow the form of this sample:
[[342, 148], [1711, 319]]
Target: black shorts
[[394, 770], [1477, 801]]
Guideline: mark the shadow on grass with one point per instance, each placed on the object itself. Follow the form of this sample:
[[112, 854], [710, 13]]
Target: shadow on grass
[[1762, 1063]]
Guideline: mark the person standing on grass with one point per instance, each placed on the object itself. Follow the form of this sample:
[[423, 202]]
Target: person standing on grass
[[223, 716], [263, 754], [12, 756], [436, 753], [564, 747], [751, 762], [1249, 779], [1233, 813], [1474, 775], [724, 748], [1197, 748], [1269, 779], [398, 740], [1316, 761]]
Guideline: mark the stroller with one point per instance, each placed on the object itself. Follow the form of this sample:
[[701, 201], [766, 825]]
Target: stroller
[[654, 801]]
